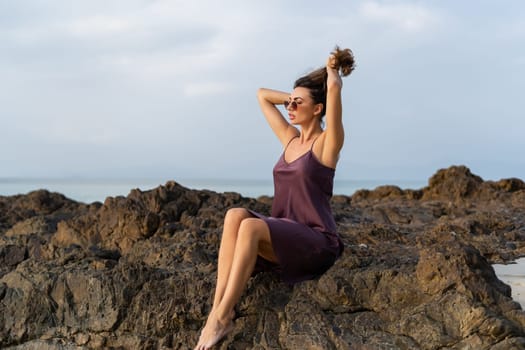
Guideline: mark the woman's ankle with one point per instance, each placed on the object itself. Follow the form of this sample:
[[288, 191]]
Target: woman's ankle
[[224, 316]]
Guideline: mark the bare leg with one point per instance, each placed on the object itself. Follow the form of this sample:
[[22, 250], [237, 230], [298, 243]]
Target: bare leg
[[253, 238], [232, 222]]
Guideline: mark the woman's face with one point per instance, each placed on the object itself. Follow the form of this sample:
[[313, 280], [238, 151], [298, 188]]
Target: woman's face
[[301, 108]]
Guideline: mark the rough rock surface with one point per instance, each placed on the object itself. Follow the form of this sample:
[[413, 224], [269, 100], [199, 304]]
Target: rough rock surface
[[137, 272]]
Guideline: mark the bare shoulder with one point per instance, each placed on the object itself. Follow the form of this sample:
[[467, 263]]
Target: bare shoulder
[[318, 146], [291, 132], [324, 153]]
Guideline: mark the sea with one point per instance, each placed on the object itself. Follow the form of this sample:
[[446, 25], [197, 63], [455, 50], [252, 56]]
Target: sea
[[93, 190], [513, 274]]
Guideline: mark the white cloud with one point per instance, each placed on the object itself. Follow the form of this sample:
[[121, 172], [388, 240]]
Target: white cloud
[[408, 17], [100, 25], [207, 88], [520, 60], [82, 132], [126, 73]]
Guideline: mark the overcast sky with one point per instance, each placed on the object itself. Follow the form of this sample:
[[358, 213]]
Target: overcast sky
[[167, 89]]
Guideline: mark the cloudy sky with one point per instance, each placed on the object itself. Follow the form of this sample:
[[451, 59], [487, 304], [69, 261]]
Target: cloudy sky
[[166, 89]]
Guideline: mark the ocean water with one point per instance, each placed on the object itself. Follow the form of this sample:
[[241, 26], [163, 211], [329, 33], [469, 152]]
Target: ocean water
[[91, 190], [513, 274]]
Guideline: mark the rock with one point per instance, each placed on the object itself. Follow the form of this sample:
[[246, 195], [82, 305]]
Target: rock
[[12, 255], [35, 225], [53, 206], [137, 272], [454, 183], [509, 185]]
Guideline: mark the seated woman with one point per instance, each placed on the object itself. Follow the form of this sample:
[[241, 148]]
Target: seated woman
[[299, 240]]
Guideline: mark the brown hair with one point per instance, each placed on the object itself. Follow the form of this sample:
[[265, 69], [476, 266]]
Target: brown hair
[[316, 80]]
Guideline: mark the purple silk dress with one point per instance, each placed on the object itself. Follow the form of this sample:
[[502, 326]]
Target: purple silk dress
[[302, 227]]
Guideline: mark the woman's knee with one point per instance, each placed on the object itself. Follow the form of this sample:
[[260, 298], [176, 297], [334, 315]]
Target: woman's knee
[[236, 215], [253, 229], [233, 220], [255, 234]]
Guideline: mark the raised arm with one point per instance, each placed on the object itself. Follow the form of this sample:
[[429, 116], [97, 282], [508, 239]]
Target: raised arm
[[334, 130], [340, 63], [268, 100]]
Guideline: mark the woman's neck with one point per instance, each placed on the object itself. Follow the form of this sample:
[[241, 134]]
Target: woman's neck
[[310, 132]]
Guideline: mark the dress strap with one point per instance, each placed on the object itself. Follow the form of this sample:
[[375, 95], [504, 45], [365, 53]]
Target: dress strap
[[312, 146], [289, 142]]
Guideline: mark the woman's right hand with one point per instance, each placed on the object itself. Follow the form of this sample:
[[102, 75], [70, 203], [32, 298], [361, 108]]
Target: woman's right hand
[[268, 100]]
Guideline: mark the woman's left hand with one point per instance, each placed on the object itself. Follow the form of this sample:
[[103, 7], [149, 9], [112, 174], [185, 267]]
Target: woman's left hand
[[331, 63], [332, 68]]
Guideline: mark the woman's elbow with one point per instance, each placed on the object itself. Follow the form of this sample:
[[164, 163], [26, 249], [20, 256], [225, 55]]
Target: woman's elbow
[[260, 92]]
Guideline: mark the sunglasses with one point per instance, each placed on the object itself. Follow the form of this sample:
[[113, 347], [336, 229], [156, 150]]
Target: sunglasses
[[292, 104]]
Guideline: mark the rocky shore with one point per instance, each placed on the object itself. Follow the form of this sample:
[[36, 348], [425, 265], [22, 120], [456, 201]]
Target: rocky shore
[[137, 272]]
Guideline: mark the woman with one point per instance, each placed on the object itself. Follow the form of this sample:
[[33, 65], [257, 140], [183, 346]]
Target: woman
[[299, 240]]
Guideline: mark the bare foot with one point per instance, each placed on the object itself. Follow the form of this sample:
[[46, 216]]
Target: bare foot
[[213, 331]]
